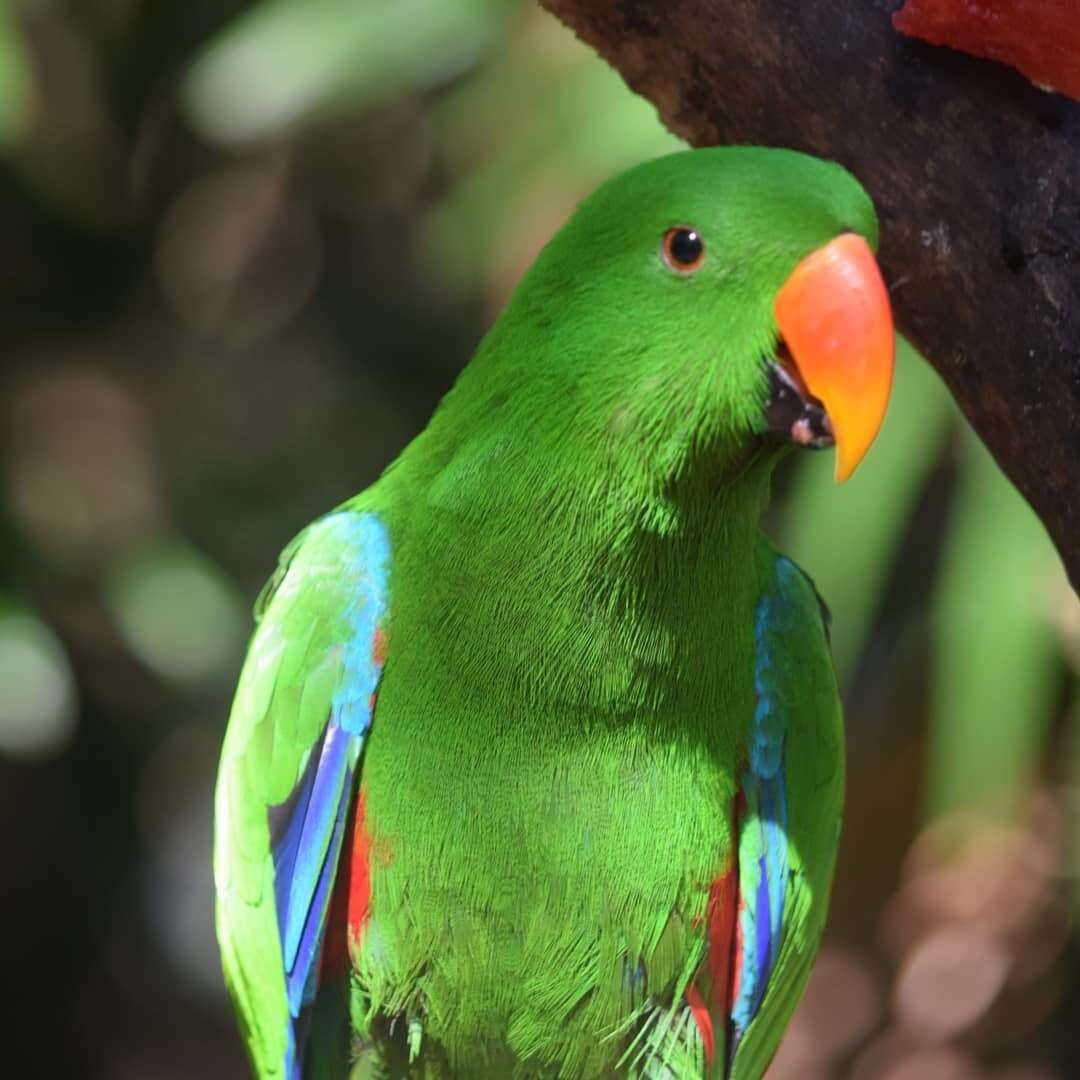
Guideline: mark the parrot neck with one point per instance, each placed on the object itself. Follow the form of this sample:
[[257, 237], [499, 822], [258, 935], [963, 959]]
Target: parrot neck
[[574, 578]]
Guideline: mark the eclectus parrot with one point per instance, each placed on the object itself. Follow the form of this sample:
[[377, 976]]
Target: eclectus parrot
[[536, 765]]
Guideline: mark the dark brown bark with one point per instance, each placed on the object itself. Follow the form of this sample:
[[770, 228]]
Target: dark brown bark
[[976, 175]]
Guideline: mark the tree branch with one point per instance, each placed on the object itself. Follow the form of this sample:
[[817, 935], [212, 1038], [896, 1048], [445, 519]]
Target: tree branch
[[975, 173]]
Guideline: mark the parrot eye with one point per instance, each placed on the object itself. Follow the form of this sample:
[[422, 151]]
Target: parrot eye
[[683, 249]]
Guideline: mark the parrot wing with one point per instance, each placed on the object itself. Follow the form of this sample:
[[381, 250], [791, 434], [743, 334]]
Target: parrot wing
[[769, 913], [287, 778]]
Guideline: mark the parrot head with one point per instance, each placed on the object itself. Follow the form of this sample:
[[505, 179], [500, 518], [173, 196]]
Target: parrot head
[[712, 303]]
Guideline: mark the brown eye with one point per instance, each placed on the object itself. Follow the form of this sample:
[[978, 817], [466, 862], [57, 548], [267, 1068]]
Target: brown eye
[[683, 249]]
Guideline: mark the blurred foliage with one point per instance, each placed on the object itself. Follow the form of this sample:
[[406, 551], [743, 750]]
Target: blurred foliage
[[996, 659], [285, 60], [248, 246], [15, 79]]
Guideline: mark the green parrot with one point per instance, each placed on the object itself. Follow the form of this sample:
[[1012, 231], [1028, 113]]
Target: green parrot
[[535, 767]]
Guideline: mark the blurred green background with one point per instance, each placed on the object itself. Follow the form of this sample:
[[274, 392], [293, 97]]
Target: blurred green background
[[246, 248]]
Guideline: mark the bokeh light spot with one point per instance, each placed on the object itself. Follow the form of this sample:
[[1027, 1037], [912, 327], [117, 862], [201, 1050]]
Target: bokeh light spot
[[37, 703], [176, 613], [950, 981]]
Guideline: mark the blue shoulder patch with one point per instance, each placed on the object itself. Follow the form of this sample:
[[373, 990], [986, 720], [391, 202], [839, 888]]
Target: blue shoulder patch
[[367, 536]]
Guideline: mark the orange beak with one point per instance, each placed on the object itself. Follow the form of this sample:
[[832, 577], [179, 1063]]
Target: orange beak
[[835, 318]]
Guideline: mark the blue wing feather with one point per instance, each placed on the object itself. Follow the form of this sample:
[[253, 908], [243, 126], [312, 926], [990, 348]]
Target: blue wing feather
[[763, 842], [791, 794], [327, 795], [308, 828]]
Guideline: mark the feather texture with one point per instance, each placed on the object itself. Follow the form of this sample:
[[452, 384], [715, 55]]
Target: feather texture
[[294, 754]]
